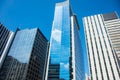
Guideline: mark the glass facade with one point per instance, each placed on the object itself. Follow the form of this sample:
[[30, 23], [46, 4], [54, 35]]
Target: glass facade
[[61, 46], [27, 56], [60, 40], [78, 53]]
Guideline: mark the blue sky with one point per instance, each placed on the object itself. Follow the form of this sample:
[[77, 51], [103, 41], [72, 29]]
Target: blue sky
[[40, 13]]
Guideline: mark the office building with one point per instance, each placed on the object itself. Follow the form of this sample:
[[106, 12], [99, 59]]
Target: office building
[[26, 59], [103, 64], [5, 41], [112, 24], [65, 53]]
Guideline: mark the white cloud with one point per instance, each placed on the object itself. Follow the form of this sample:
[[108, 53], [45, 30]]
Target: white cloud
[[56, 34], [61, 63], [66, 66]]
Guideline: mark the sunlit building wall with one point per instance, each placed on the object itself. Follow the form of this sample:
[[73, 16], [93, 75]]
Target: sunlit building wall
[[112, 24], [103, 64]]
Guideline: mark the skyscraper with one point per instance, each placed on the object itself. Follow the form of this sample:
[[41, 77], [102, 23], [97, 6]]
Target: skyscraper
[[103, 63], [5, 41], [112, 23], [26, 59], [65, 54]]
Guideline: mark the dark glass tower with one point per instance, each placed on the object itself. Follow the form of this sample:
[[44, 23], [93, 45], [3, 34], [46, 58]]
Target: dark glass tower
[[27, 56], [65, 53], [5, 41]]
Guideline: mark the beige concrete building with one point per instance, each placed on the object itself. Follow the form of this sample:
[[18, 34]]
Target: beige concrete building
[[102, 34]]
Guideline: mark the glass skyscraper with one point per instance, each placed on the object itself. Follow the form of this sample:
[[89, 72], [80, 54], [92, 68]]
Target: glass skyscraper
[[100, 33], [26, 59], [65, 53]]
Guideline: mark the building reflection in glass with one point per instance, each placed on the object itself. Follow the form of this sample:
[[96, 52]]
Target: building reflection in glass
[[66, 56], [27, 56]]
